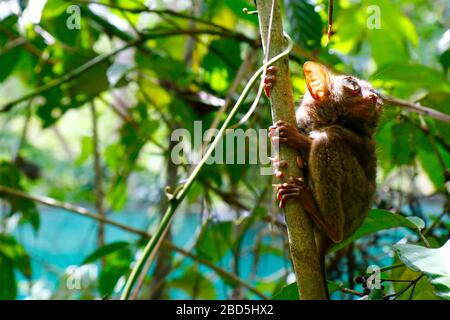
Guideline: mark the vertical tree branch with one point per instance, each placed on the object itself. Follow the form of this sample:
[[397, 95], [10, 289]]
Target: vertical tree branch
[[301, 237], [99, 196]]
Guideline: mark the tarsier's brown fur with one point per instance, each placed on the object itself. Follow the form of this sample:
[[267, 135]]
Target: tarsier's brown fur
[[336, 121]]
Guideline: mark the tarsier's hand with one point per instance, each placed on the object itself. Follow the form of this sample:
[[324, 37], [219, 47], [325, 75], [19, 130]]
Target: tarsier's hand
[[290, 190], [270, 79], [288, 133]]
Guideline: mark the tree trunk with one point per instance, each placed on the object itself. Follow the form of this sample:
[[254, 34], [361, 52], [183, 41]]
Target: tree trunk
[[300, 229]]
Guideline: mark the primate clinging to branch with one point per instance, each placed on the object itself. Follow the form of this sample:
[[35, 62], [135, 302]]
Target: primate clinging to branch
[[336, 122]]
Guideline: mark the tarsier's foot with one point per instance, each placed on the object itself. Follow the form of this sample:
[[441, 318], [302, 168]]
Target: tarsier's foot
[[270, 79], [290, 190], [278, 163]]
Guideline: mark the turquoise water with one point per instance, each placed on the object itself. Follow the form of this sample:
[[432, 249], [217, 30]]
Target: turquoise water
[[65, 239]]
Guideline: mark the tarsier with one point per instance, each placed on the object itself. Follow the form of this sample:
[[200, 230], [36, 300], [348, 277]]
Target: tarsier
[[336, 122]]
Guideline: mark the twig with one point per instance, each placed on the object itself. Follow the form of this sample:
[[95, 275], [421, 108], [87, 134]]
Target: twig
[[435, 222], [101, 58], [330, 21], [156, 11], [416, 108], [351, 291], [413, 283], [99, 195]]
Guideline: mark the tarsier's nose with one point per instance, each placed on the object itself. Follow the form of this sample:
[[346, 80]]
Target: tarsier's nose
[[372, 96]]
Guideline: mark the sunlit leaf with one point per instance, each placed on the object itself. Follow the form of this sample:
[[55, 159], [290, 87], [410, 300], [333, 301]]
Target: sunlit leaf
[[377, 220], [433, 262], [105, 250]]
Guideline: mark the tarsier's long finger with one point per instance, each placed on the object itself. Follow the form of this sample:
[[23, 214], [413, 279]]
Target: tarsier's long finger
[[282, 192], [278, 163], [267, 88], [279, 174], [279, 139], [286, 197], [270, 79], [272, 70], [271, 130]]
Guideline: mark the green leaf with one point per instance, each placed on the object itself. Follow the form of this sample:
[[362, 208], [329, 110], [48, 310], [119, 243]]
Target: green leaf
[[429, 161], [237, 5], [8, 287], [444, 59], [87, 148], [391, 18], [214, 62], [411, 76], [195, 284], [376, 294], [10, 177], [402, 152], [105, 250], [54, 8], [305, 24], [376, 221], [439, 100], [289, 292], [118, 196], [423, 290], [14, 251], [215, 242], [117, 265], [8, 57], [434, 263], [108, 278], [117, 72]]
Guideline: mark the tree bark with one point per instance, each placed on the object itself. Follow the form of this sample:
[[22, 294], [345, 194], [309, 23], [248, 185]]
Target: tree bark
[[300, 228]]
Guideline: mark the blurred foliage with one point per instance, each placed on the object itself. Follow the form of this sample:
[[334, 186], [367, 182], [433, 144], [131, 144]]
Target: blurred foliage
[[144, 92]]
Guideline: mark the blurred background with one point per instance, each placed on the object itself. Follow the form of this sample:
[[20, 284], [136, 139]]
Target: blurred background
[[91, 91]]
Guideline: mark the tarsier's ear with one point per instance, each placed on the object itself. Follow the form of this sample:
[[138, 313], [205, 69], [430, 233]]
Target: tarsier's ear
[[317, 79]]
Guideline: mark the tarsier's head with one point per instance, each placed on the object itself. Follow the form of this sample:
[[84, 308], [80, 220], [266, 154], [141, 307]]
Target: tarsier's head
[[341, 100]]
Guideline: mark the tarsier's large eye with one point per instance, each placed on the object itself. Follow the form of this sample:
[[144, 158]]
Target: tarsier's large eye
[[351, 86]]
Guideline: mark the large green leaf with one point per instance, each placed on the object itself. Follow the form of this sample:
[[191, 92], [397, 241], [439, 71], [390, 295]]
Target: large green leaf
[[15, 252], [8, 56], [429, 160], [215, 242], [402, 141], [378, 220], [289, 292], [10, 177], [434, 263], [195, 284], [422, 291], [8, 287], [305, 24], [391, 18], [439, 100], [117, 264], [105, 250]]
